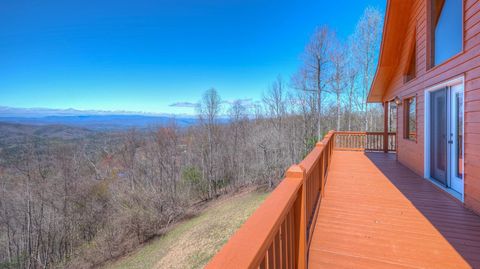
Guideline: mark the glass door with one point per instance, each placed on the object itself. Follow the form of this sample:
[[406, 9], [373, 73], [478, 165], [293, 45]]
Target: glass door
[[446, 136], [456, 138], [438, 136]]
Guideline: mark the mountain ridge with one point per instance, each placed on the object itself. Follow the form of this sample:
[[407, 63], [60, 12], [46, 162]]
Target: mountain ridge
[[7, 111]]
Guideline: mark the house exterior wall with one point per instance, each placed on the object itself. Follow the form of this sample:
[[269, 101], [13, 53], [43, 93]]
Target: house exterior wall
[[466, 64]]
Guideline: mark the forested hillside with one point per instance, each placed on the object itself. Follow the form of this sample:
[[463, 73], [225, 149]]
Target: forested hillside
[[78, 200]]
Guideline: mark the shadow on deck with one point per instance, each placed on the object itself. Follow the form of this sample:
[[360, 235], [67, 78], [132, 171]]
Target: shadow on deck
[[378, 213]]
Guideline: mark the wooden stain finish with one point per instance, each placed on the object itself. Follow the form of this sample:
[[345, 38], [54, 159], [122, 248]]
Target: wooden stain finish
[[354, 209], [279, 232], [379, 214], [365, 141], [351, 208], [408, 22]]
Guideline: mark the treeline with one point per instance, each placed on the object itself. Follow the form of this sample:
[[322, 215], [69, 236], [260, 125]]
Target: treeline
[[77, 204]]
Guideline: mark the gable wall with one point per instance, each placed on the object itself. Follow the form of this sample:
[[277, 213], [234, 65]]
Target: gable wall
[[467, 63]]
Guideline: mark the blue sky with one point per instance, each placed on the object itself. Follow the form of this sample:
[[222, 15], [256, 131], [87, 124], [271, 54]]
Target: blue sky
[[146, 55]]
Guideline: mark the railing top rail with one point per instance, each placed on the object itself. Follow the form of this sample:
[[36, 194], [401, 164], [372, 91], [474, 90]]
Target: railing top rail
[[361, 133], [313, 157], [247, 246], [294, 199], [369, 141]]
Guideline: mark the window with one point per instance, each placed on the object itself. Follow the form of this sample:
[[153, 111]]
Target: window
[[446, 29], [392, 114], [412, 64], [410, 125]]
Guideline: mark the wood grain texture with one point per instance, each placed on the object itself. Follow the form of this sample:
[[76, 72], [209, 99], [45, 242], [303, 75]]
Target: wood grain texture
[[278, 233], [389, 82], [376, 213]]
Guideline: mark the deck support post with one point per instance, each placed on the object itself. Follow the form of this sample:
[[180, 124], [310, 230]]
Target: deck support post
[[385, 127]]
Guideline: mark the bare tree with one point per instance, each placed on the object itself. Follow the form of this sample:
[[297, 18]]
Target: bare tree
[[274, 100], [128, 153], [351, 77], [316, 60], [77, 203], [209, 109], [306, 102], [366, 45], [338, 79], [238, 118]]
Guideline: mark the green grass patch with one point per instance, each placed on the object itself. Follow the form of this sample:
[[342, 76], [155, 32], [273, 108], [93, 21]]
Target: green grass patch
[[192, 243]]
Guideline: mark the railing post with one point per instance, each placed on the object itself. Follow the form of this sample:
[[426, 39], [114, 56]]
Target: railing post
[[332, 146], [322, 165], [300, 219], [385, 127], [333, 140]]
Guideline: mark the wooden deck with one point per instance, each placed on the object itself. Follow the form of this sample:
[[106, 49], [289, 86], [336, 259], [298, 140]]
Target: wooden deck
[[376, 213]]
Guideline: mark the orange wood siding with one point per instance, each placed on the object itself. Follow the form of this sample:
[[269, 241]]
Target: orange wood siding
[[467, 64]]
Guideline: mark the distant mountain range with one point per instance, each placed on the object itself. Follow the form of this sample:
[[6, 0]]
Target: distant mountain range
[[92, 119], [6, 111], [14, 133]]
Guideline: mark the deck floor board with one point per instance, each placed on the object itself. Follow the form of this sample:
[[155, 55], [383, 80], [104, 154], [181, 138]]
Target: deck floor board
[[376, 213]]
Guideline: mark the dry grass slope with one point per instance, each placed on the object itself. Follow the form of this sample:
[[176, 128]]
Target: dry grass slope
[[192, 243]]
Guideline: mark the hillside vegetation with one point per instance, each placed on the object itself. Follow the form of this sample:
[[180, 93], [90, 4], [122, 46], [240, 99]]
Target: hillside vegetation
[[192, 243], [70, 198]]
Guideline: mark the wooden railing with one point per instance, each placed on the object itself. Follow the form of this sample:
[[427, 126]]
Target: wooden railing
[[368, 141], [278, 233]]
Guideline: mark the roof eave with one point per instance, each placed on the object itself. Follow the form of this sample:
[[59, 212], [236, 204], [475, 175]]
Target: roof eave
[[394, 31]]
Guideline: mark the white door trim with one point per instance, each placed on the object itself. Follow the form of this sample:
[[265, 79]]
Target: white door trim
[[426, 130]]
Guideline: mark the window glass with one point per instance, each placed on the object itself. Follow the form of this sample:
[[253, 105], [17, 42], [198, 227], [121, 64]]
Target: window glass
[[411, 68], [392, 117], [410, 131], [447, 31], [459, 146]]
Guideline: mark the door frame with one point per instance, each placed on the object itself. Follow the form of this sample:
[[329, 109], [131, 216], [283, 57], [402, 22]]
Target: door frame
[[426, 129], [452, 149]]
